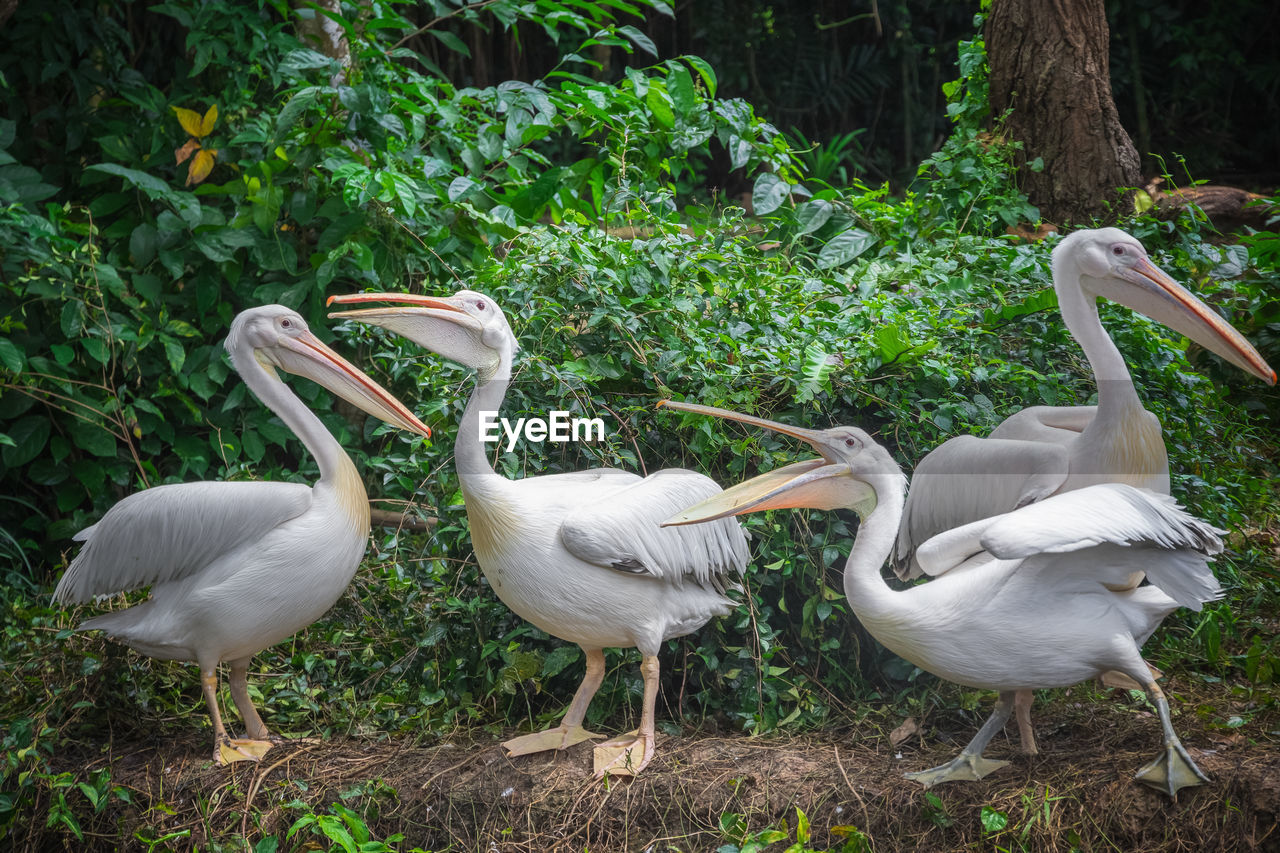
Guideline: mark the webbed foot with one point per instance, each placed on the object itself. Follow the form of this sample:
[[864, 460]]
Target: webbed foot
[[227, 750], [965, 767], [1171, 771], [560, 737], [624, 756]]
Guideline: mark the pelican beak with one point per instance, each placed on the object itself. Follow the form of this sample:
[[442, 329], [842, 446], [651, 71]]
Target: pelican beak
[[822, 483], [306, 355], [439, 324], [1162, 299], [418, 317]]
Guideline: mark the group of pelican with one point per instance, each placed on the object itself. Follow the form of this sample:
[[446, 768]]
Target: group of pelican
[[1036, 541]]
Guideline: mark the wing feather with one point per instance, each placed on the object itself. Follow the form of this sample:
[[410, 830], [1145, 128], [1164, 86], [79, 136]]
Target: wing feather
[[967, 479], [623, 532], [1177, 545], [167, 533]]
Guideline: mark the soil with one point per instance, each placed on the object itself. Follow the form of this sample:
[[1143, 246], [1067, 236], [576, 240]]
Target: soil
[[1078, 793]]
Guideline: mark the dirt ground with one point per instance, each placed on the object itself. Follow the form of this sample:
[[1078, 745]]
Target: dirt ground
[[1078, 793]]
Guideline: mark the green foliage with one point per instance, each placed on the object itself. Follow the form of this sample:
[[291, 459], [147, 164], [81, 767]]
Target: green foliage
[[742, 840]]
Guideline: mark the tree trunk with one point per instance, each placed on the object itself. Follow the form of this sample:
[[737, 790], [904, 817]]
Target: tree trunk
[[1049, 64], [324, 34]]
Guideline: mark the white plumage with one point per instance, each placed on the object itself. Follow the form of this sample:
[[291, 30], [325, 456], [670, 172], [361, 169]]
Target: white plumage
[[579, 555], [1025, 599], [236, 567], [1046, 450]]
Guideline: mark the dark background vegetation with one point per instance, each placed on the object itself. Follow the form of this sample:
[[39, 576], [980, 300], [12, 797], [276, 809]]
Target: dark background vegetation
[[600, 199]]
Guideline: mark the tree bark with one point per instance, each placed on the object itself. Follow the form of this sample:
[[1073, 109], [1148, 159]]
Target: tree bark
[[1049, 63], [325, 34]]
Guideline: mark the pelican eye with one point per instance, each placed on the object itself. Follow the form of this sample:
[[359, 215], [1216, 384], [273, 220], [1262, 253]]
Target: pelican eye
[[480, 306], [850, 442], [286, 323], [1117, 250]]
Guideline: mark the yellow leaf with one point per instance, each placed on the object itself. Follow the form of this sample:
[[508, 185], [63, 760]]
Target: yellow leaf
[[201, 166], [206, 124], [191, 147], [189, 119]]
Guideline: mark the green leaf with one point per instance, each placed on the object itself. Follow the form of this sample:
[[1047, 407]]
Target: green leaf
[[641, 40], [461, 187], [451, 41], [142, 245], [558, 659], [844, 247], [659, 104], [705, 71], [812, 215], [29, 436], [97, 349], [93, 438], [992, 820], [768, 193], [176, 353], [13, 358], [817, 366], [891, 341], [680, 85], [72, 318]]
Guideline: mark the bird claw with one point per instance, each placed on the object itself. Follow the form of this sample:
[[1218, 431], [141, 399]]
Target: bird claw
[[1171, 771], [965, 767]]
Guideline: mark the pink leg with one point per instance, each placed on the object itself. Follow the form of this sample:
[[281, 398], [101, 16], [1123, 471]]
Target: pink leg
[[1022, 710], [570, 730], [629, 754]]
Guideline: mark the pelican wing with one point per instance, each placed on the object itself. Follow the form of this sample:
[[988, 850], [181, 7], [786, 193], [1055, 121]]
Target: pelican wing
[[1177, 544], [969, 479], [1048, 424], [623, 531], [170, 532]]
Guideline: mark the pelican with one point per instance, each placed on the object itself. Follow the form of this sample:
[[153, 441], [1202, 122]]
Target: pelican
[[579, 555], [235, 567], [1049, 450], [1025, 599]]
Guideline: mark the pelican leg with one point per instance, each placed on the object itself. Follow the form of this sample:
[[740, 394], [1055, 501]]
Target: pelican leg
[[260, 740], [628, 754], [1173, 769], [225, 750], [969, 765], [1022, 713], [570, 730]]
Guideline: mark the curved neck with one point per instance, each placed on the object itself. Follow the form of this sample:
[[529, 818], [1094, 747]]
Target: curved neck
[[471, 455], [864, 586], [301, 421], [1080, 313]]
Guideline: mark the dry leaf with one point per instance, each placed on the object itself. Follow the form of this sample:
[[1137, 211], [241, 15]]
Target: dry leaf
[[192, 146], [189, 119], [201, 166], [206, 124], [908, 728]]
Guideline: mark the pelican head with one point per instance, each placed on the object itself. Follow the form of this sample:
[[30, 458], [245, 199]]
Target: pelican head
[[850, 466], [1108, 263], [278, 337], [467, 327]]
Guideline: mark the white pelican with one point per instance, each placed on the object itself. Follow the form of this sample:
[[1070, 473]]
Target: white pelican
[[579, 555], [1048, 450], [235, 567], [1026, 599]]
